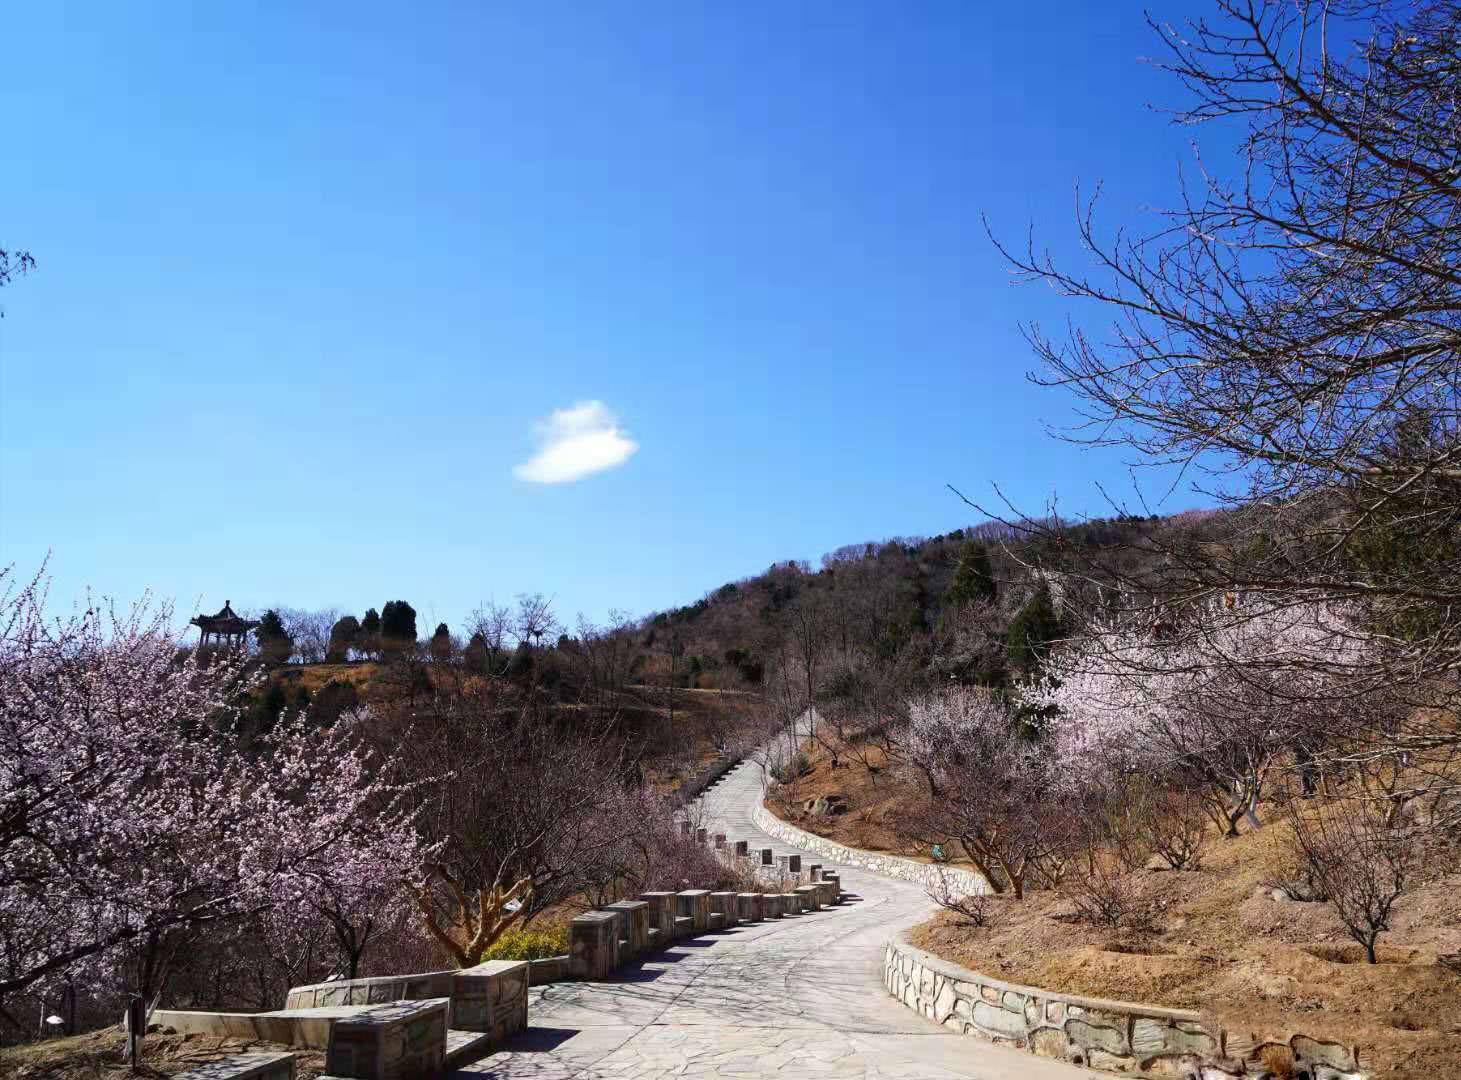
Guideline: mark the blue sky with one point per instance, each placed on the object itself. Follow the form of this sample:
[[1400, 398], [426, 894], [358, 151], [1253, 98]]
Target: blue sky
[[313, 280]]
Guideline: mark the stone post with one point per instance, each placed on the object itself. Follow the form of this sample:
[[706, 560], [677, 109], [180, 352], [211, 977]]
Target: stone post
[[814, 872], [634, 928], [399, 1038], [724, 905], [836, 882], [700, 837], [765, 856], [693, 904], [749, 907], [491, 997], [742, 849], [789, 865], [594, 944], [661, 915], [719, 841]]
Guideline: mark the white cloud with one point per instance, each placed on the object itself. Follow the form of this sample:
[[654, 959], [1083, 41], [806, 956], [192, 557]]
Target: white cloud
[[576, 442]]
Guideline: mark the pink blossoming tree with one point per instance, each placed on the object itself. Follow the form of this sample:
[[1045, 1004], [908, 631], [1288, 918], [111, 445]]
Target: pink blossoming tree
[[129, 816]]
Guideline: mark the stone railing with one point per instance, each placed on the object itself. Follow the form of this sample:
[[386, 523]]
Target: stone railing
[[371, 1027], [1094, 1032], [895, 866]]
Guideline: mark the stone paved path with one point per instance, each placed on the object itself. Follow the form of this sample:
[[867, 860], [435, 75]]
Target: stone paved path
[[794, 997]]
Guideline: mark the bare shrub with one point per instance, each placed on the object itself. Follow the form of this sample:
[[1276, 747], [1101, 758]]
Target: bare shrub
[[1358, 859], [1105, 893], [1174, 826], [978, 910], [1297, 882]]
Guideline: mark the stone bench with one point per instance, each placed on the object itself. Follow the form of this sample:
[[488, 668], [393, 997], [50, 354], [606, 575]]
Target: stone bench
[[773, 905], [248, 1066], [749, 907], [791, 903], [389, 1042], [811, 897]]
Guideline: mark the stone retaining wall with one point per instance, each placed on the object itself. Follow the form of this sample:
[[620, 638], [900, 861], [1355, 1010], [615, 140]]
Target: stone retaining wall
[[1120, 1036], [893, 866]]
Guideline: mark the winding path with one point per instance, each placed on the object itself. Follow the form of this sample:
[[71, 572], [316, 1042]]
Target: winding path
[[788, 998]]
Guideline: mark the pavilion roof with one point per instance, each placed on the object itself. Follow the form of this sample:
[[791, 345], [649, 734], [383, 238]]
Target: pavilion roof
[[226, 617]]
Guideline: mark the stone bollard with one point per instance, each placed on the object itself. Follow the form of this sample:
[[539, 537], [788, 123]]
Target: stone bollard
[[835, 880], [814, 873], [765, 856], [634, 927], [811, 897], [693, 904], [491, 997], [661, 915], [789, 865], [593, 948], [723, 904], [397, 1038], [719, 841], [826, 893], [742, 849], [749, 907]]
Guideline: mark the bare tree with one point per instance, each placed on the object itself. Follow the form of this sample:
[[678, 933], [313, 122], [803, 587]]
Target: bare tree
[[310, 631], [1290, 337], [1358, 860]]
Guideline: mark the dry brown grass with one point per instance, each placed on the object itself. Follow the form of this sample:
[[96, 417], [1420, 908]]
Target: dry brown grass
[[101, 1055]]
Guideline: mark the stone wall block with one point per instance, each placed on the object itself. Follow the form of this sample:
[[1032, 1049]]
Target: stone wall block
[[1097, 1036], [998, 1022], [1318, 1052]]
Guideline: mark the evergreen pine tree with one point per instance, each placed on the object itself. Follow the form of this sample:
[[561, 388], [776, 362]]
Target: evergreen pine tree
[[275, 644], [1032, 631], [369, 641], [974, 577]]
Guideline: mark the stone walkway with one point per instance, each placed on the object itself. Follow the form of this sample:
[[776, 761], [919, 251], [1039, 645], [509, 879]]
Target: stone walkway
[[795, 997]]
